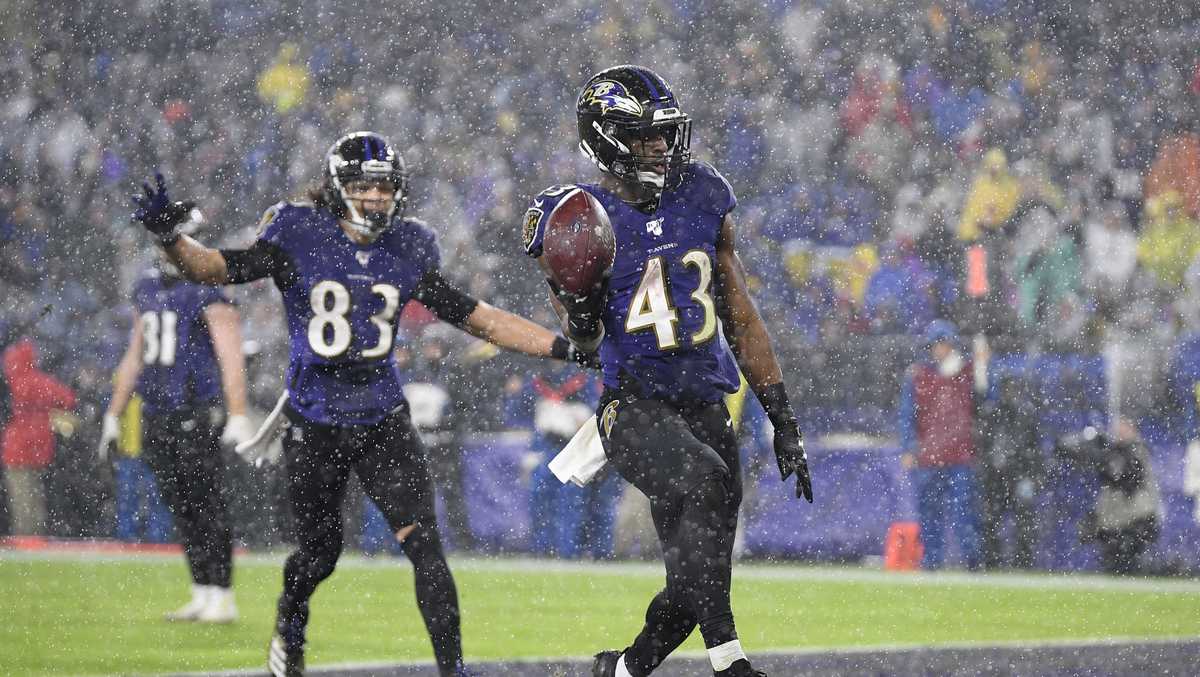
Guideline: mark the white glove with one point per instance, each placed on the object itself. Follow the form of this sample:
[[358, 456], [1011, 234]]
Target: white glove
[[238, 429], [110, 430]]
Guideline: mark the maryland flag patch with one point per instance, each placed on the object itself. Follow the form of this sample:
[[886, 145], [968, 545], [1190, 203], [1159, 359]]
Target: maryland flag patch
[[529, 231]]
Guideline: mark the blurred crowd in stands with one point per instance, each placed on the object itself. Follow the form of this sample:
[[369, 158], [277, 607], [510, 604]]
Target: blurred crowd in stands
[[1028, 170]]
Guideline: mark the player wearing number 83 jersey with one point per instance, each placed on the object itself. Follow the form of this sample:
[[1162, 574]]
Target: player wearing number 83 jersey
[[342, 302], [346, 263]]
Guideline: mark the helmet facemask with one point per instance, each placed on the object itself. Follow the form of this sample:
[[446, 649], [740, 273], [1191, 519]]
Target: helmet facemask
[[619, 141], [344, 169], [367, 223]]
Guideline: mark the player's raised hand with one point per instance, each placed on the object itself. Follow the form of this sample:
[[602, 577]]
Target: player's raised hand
[[791, 457], [157, 212]]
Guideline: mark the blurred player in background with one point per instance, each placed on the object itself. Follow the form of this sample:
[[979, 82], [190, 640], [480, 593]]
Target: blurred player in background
[[184, 354], [345, 263], [667, 354]]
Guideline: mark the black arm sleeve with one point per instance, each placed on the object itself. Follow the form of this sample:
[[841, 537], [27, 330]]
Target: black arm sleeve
[[262, 259], [448, 303]]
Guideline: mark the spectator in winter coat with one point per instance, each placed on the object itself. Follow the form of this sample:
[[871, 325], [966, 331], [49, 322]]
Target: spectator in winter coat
[[28, 442], [1169, 241], [992, 199], [937, 430]]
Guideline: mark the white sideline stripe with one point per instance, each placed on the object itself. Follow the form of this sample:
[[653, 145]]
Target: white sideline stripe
[[753, 571], [840, 650], [746, 571]]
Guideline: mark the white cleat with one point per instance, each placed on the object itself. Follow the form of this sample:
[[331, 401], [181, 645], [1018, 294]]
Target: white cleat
[[220, 607], [191, 610]]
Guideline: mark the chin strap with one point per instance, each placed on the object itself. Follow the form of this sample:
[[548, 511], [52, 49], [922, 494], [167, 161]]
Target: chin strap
[[652, 178]]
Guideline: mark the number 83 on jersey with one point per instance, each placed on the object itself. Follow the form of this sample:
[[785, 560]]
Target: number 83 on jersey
[[330, 333]]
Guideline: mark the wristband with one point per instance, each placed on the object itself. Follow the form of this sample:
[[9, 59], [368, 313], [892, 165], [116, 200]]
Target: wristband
[[560, 348], [774, 401]]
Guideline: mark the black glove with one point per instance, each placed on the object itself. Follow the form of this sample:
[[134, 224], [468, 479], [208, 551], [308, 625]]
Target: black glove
[[158, 213], [562, 349], [789, 443], [583, 311], [790, 455]]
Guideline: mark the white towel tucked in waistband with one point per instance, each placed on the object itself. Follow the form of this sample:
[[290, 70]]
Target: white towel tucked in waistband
[[582, 458]]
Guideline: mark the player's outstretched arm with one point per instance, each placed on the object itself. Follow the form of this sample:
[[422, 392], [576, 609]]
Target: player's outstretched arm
[[752, 346], [163, 217], [500, 327], [197, 262], [510, 331]]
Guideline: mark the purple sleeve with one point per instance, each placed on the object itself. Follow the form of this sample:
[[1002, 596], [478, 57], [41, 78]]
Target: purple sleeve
[[719, 196], [211, 295], [271, 227], [533, 223]]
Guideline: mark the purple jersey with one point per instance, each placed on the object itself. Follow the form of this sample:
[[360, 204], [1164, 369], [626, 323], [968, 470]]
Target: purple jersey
[[661, 324], [179, 368], [342, 310]]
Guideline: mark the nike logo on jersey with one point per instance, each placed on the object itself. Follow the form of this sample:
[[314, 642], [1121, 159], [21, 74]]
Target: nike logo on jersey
[[537, 203]]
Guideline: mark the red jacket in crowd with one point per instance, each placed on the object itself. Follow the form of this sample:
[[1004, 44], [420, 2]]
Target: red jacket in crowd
[[28, 441], [944, 416]]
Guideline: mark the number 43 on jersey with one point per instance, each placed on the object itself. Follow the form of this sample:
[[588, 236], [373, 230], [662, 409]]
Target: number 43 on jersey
[[652, 309]]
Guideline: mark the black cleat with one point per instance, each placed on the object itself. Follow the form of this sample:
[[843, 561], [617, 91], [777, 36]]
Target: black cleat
[[741, 668], [605, 664], [284, 662]]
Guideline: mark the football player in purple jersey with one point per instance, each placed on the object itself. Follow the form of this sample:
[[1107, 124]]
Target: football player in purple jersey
[[346, 261], [185, 335], [673, 323]]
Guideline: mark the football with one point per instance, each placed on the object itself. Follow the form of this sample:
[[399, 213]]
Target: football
[[579, 245]]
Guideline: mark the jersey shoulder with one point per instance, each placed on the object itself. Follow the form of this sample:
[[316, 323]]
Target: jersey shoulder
[[281, 218], [148, 281], [414, 239], [533, 224], [207, 295], [705, 188]]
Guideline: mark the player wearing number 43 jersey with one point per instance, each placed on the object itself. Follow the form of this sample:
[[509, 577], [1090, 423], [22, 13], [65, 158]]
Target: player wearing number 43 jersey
[[673, 322], [346, 263]]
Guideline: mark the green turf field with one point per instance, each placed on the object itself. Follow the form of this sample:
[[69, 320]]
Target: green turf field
[[71, 616]]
